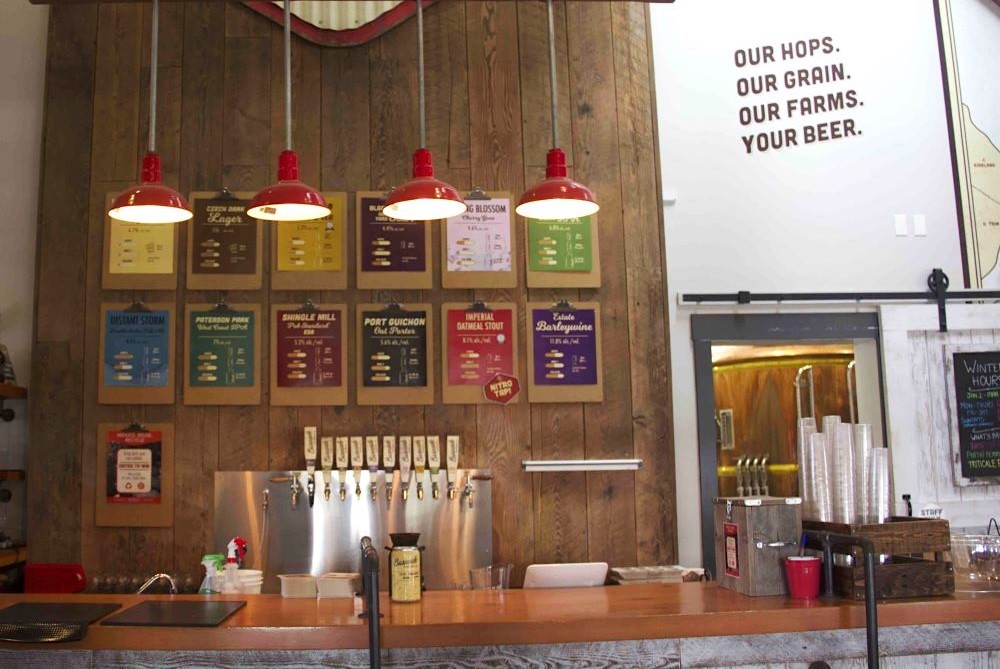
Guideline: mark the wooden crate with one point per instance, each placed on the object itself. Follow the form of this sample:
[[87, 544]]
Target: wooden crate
[[741, 523], [900, 577], [916, 565]]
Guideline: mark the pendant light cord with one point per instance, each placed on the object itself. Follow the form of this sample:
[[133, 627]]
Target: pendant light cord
[[552, 76], [153, 72], [420, 71], [288, 76]]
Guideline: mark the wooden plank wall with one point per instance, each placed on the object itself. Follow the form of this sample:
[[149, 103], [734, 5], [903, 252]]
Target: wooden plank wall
[[221, 123]]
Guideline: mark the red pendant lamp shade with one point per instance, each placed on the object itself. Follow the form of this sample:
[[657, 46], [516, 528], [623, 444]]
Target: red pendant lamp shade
[[289, 199], [151, 202], [557, 196], [423, 198]]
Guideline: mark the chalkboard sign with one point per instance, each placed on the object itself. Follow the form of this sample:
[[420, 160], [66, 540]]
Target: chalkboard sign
[[977, 411]]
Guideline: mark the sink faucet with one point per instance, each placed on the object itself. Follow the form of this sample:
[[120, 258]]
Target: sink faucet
[[153, 579]]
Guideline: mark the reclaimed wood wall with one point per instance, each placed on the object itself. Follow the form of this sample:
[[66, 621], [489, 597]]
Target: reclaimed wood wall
[[220, 123]]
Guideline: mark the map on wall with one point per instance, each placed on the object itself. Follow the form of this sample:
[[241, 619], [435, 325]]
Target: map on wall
[[969, 30]]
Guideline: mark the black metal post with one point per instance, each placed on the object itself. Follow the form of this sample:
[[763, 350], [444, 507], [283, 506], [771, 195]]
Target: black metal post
[[369, 579], [828, 540]]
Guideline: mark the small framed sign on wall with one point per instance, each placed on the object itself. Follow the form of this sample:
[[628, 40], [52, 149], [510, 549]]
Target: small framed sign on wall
[[135, 475], [974, 403]]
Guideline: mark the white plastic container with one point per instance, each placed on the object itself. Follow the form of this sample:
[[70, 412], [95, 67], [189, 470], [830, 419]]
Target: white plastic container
[[333, 585], [297, 585]]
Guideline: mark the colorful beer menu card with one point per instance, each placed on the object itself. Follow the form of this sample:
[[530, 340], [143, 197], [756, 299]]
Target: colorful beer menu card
[[225, 237], [563, 245], [221, 349], [137, 351], [388, 245], [480, 239], [311, 246], [225, 244], [565, 353], [390, 253], [395, 359], [140, 249], [394, 348], [308, 354], [136, 348], [308, 348], [479, 343], [222, 359], [134, 467]]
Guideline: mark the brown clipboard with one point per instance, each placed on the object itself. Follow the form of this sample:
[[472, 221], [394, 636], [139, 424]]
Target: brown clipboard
[[451, 278], [314, 279], [250, 280], [563, 393], [379, 280], [222, 395], [137, 280], [564, 279], [308, 396], [368, 395], [135, 514], [467, 393], [110, 394]]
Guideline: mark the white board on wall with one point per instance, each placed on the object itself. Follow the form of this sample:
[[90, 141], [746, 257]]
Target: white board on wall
[[796, 211]]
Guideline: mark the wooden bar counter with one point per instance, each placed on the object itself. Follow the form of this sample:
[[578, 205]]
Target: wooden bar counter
[[639, 619]]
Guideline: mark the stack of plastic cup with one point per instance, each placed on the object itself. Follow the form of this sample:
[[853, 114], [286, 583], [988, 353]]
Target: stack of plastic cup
[[828, 423], [863, 444], [841, 462], [807, 427], [819, 472], [878, 486]]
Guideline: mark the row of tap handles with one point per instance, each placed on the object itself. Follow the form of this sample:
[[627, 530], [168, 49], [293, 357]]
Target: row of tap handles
[[416, 455], [751, 475]]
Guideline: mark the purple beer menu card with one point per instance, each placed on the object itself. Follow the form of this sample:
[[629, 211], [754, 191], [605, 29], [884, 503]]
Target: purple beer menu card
[[564, 346]]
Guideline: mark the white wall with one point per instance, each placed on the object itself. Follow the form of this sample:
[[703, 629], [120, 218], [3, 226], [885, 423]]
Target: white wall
[[23, 33], [811, 217]]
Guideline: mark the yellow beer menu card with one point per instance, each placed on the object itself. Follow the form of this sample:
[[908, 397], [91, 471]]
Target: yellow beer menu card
[[141, 249]]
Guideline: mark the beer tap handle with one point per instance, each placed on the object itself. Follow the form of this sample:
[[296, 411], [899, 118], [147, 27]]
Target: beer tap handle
[[326, 461], [405, 460], [389, 462], [371, 454], [764, 487], [357, 462], [343, 458], [420, 462], [452, 446]]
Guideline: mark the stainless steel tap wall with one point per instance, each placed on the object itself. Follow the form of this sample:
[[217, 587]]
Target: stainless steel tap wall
[[283, 539]]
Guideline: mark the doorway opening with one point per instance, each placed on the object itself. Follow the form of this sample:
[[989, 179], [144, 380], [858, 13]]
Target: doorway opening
[[755, 376]]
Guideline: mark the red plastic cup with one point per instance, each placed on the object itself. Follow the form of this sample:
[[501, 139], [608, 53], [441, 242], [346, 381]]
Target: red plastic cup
[[803, 576]]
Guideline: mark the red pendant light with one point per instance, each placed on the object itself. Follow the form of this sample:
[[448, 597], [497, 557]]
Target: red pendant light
[[289, 199], [556, 196], [423, 198], [151, 202]]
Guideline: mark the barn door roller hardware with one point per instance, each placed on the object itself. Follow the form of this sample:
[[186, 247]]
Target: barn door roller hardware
[[937, 292]]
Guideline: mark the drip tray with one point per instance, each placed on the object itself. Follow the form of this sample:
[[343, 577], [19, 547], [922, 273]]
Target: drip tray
[[176, 614]]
